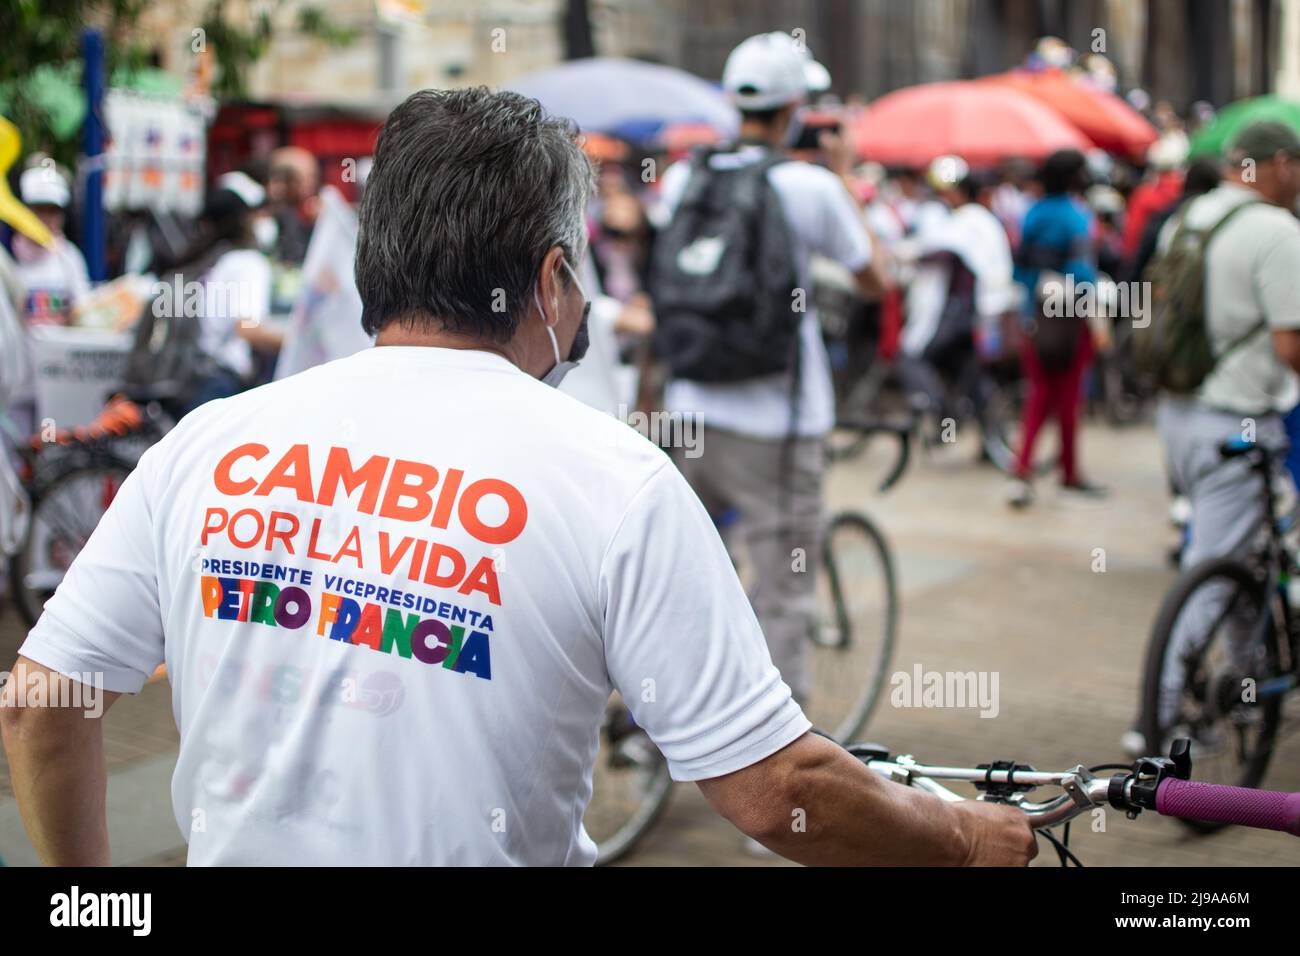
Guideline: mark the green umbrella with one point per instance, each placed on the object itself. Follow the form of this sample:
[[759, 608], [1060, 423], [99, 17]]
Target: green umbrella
[[1215, 138]]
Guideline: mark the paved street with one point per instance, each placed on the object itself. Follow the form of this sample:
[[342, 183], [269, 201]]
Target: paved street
[[984, 589]]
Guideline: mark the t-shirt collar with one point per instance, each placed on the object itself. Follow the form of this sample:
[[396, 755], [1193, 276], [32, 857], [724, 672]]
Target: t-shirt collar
[[430, 356]]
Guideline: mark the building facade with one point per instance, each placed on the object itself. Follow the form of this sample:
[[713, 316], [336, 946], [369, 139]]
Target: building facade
[[1177, 50]]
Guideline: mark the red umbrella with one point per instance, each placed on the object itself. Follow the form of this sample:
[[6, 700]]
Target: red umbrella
[[681, 138], [983, 123], [1109, 122]]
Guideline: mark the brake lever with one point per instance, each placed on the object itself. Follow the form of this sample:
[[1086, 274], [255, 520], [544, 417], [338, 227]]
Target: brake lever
[[1136, 791]]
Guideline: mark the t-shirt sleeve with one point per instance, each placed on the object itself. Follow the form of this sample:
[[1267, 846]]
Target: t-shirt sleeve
[[844, 233], [682, 644], [105, 617], [1277, 277]]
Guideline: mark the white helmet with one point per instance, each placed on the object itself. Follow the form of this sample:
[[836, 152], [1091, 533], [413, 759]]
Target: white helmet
[[767, 72]]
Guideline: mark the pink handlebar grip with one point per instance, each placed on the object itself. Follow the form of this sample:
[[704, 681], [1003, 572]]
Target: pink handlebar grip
[[1216, 803]]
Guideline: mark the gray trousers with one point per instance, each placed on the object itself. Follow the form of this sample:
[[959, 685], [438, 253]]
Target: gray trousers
[[1228, 511], [776, 532]]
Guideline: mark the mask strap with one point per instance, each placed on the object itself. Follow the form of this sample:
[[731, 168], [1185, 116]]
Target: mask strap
[[555, 343]]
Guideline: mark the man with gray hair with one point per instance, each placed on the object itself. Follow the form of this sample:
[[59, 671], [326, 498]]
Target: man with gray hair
[[395, 592]]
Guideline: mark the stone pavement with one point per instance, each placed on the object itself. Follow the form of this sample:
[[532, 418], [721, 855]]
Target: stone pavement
[[984, 589]]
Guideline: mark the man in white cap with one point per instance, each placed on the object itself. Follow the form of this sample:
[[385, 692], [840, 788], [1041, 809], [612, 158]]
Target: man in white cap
[[55, 276], [762, 437]]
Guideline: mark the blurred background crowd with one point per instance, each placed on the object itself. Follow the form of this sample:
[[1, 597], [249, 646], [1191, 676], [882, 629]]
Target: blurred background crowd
[[213, 139], [180, 183]]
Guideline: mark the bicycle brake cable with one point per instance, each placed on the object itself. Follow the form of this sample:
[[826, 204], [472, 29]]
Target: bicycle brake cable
[[1062, 851]]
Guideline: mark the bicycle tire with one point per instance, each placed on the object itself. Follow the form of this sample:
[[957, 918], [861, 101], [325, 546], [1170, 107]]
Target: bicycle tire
[[1233, 572], [996, 439], [862, 401], [617, 832], [652, 808], [880, 652], [27, 600]]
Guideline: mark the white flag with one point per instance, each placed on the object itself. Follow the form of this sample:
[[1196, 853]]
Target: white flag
[[326, 321]]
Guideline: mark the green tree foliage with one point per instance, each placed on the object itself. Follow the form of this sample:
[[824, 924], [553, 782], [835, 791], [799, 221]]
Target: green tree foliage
[[36, 35]]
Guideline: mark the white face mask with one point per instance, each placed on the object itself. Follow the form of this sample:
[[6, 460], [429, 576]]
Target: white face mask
[[562, 367], [265, 232]]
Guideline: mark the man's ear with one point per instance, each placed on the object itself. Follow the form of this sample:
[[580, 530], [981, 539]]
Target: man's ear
[[549, 277]]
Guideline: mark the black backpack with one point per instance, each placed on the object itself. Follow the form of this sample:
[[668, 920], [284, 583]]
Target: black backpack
[[724, 280], [165, 361]]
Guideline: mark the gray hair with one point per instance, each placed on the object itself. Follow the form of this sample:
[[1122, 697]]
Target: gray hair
[[468, 192]]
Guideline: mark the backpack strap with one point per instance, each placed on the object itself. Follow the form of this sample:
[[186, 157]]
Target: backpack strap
[[1241, 340], [752, 185], [1209, 234], [702, 179], [1226, 218]]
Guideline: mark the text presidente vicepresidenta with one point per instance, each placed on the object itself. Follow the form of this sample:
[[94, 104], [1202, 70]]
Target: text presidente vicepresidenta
[[385, 618]]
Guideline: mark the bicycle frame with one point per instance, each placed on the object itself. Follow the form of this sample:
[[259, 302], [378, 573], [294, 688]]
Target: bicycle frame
[[1278, 565]]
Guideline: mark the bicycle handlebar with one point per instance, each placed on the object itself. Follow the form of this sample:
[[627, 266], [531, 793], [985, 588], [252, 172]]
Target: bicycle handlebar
[[1217, 803], [1153, 783]]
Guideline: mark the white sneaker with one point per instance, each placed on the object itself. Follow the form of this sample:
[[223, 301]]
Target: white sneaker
[[1020, 493]]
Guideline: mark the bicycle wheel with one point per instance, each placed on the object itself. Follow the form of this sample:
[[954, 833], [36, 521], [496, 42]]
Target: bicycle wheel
[[630, 786], [1228, 635], [855, 627], [65, 510], [870, 398], [1000, 428]]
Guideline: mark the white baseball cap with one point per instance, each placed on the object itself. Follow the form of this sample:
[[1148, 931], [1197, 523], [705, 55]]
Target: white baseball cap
[[816, 78], [43, 186], [767, 72], [249, 190]]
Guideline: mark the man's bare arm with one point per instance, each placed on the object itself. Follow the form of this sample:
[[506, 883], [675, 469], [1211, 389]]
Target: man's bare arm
[[56, 762], [1286, 343], [850, 816]]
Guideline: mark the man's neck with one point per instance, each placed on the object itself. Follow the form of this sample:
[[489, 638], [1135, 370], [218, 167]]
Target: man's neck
[[1258, 189], [755, 132], [397, 334]]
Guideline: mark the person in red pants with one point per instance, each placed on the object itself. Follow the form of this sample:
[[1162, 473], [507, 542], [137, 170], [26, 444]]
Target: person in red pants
[[1056, 258]]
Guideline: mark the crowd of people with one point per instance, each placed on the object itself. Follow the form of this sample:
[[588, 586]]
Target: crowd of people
[[684, 292]]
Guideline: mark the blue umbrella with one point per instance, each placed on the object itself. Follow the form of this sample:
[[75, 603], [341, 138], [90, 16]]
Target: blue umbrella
[[632, 98]]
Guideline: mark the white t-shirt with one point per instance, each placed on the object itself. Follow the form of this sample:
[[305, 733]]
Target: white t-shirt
[[54, 278], [823, 219], [236, 289], [432, 694]]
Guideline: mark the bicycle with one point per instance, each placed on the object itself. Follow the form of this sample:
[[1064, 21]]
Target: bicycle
[[852, 637], [1160, 784], [989, 394], [70, 483], [1231, 692]]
